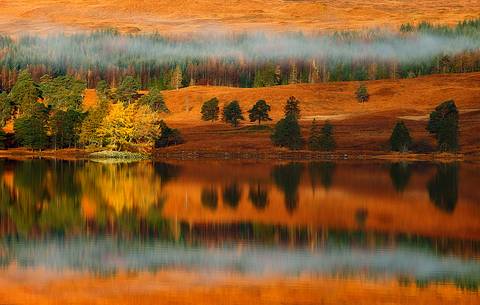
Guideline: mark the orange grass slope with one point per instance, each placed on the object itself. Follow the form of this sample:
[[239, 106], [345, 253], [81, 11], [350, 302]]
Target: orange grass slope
[[167, 16], [358, 126]]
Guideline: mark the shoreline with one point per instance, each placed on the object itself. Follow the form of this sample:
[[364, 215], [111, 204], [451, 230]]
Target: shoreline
[[272, 155]]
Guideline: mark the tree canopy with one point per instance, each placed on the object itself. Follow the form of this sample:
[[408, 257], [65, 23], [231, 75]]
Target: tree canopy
[[443, 124], [232, 113], [210, 110], [259, 112]]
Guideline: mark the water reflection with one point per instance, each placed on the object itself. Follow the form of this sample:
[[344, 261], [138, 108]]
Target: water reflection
[[258, 195], [321, 173], [400, 173], [262, 217], [231, 195], [210, 197], [287, 178], [443, 187]]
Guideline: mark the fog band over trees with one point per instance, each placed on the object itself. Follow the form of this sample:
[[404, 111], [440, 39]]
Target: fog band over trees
[[246, 59]]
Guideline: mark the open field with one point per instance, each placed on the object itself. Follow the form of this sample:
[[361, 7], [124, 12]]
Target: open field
[[41, 16], [358, 127]]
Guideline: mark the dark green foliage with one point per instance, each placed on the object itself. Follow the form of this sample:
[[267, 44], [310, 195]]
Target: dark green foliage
[[400, 139], [210, 110], [362, 94], [287, 133], [258, 195], [292, 108], [25, 93], [287, 178], [443, 187], [232, 113], [259, 112], [231, 195], [443, 124], [31, 130], [400, 174], [209, 198], [154, 100], [321, 138], [6, 109], [266, 77], [65, 128], [127, 92], [168, 136], [63, 92]]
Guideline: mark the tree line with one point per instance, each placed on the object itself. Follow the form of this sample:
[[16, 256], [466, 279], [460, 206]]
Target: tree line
[[51, 114], [111, 56]]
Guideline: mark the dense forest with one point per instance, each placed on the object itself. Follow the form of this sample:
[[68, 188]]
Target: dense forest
[[243, 60]]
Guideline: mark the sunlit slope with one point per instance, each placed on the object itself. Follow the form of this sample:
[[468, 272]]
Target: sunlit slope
[[177, 17], [358, 126]]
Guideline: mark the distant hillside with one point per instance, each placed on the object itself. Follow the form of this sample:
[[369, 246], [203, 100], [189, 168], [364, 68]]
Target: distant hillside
[[41, 16]]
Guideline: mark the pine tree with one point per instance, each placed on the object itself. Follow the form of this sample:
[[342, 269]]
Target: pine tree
[[259, 112], [127, 92], [25, 93], [287, 133], [362, 94], [210, 110], [31, 129], [292, 107], [321, 138], [400, 139], [232, 113], [443, 124], [154, 100], [5, 109], [168, 136]]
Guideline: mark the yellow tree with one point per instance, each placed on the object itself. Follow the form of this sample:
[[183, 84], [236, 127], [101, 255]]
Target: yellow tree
[[117, 128]]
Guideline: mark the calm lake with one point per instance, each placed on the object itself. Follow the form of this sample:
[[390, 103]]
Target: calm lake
[[213, 223]]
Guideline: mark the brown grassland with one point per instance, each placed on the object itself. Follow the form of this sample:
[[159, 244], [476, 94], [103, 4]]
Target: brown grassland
[[42, 16], [359, 128]]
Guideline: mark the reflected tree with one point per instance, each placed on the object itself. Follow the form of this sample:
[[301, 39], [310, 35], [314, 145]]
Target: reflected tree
[[167, 172], [287, 178], [443, 187], [321, 173], [231, 195], [258, 195], [209, 198], [400, 173]]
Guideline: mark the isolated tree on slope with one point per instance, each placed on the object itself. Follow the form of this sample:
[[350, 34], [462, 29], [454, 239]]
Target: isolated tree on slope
[[443, 124], [154, 100], [400, 139], [287, 133], [210, 110], [321, 138], [259, 112], [292, 107], [362, 94], [232, 113]]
